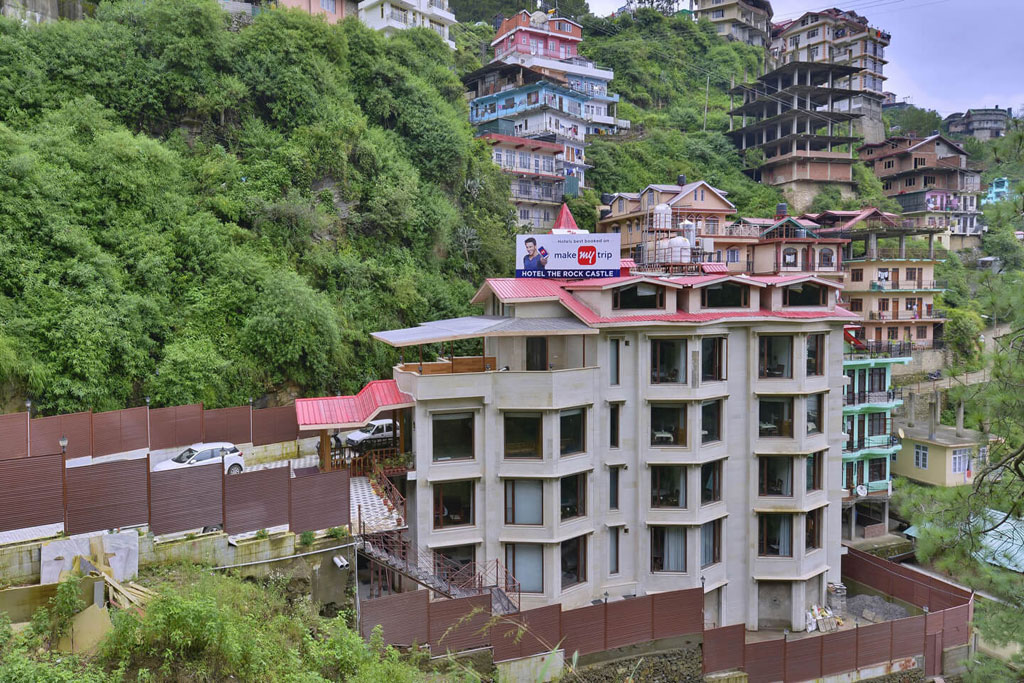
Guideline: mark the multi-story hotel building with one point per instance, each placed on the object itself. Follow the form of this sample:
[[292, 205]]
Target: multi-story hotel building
[[537, 183], [871, 443], [389, 16], [930, 179], [841, 37], [637, 434], [512, 99], [748, 21], [793, 132], [549, 45], [891, 288]]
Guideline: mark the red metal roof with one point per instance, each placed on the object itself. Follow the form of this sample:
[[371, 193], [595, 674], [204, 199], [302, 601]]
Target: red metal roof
[[523, 142], [564, 220], [340, 412], [714, 268]]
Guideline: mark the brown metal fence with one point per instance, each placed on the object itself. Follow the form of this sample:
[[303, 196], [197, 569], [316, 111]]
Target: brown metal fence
[[13, 436], [459, 624], [723, 648], [188, 498], [120, 430], [33, 492], [273, 425], [319, 500], [175, 426], [76, 428], [527, 633], [403, 617], [106, 496], [228, 424], [256, 500]]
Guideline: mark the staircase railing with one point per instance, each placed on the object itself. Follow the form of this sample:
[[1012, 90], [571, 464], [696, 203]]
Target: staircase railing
[[387, 490], [442, 574], [391, 460]]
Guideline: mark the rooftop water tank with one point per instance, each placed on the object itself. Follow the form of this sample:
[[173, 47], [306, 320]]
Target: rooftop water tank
[[662, 217]]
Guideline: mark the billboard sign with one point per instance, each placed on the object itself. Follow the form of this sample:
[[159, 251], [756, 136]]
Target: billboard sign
[[570, 256]]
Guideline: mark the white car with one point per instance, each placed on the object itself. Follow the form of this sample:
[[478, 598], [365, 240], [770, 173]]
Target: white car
[[377, 434], [204, 454]]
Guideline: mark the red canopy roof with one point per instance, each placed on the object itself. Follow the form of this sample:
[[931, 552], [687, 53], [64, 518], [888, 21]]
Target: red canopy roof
[[348, 412], [564, 220]]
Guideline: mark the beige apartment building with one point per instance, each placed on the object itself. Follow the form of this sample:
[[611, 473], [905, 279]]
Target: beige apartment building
[[748, 21], [632, 435]]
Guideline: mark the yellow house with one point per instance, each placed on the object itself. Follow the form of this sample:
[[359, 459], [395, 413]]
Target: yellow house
[[941, 455]]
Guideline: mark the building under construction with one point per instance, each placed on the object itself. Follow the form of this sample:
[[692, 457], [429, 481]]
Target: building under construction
[[792, 130]]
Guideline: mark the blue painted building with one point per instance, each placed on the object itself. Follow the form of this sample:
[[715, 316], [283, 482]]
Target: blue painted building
[[998, 190]]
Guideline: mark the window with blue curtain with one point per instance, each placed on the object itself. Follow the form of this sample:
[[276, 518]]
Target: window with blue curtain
[[329, 5]]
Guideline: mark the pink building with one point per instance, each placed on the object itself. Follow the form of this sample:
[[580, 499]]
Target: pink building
[[333, 10], [522, 34]]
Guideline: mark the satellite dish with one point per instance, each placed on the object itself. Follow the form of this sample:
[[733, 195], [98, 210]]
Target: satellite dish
[[899, 433], [862, 490]]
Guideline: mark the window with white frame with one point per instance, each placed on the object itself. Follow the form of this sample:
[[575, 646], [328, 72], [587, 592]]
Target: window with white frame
[[920, 456], [732, 255], [961, 460], [329, 5]]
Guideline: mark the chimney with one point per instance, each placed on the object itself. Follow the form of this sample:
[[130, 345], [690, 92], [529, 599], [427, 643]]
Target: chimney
[[911, 407], [960, 418], [681, 179], [781, 211]]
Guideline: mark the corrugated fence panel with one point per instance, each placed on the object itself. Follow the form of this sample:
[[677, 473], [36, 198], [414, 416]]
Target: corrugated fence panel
[[903, 588], [13, 436], [803, 659], [933, 622], [839, 652], [764, 661], [256, 500], [628, 622], [678, 613], [274, 425], [908, 637], [583, 630], [187, 498], [527, 633], [77, 427], [954, 627], [402, 617], [450, 629], [319, 501], [227, 424], [723, 648], [175, 426], [874, 644], [33, 492], [120, 430], [107, 496]]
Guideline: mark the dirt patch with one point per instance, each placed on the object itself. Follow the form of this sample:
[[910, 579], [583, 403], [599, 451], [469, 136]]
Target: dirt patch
[[874, 609]]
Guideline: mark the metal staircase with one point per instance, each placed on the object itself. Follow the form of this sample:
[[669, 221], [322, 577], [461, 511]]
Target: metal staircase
[[440, 574]]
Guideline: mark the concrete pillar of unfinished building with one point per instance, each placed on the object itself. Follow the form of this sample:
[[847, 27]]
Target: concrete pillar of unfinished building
[[931, 245], [872, 246], [903, 246]]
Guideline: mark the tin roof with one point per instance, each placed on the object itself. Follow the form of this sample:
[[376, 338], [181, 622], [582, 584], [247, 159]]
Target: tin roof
[[349, 412]]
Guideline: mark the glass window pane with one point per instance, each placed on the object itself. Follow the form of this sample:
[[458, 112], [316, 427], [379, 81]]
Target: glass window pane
[[775, 356], [453, 436], [613, 550], [775, 417], [668, 549], [453, 504], [526, 562], [523, 433], [573, 496], [524, 501], [710, 543], [613, 488], [668, 486], [710, 482], [668, 361], [574, 561], [613, 361], [668, 425], [775, 475], [710, 421], [775, 536], [571, 428], [815, 353], [712, 359], [814, 415]]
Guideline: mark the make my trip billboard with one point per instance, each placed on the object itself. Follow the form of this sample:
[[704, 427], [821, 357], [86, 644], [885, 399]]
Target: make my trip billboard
[[569, 257]]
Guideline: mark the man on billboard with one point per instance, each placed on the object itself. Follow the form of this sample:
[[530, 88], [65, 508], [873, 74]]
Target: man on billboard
[[534, 259]]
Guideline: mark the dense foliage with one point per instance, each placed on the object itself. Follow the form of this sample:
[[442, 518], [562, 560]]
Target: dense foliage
[[209, 627], [198, 214], [911, 121], [487, 10]]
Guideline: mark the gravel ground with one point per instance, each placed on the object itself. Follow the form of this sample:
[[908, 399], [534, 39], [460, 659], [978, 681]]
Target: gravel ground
[[874, 608]]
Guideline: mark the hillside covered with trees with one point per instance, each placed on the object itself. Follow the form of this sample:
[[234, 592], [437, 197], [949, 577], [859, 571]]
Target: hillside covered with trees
[[193, 213]]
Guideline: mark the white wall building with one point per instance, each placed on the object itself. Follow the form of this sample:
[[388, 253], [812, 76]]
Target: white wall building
[[633, 435], [395, 15]]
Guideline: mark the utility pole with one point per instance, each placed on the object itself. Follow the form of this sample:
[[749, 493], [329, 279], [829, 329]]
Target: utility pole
[[707, 94]]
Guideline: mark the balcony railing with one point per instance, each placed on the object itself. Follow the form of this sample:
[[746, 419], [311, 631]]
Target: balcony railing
[[928, 314], [881, 349], [885, 440], [549, 193], [853, 398], [401, 16], [894, 253], [439, 4], [907, 284]]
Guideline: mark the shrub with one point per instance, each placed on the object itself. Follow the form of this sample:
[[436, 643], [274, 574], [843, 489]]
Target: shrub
[[307, 538]]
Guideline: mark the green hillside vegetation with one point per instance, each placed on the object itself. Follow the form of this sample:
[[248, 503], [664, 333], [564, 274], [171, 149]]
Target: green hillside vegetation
[[195, 214], [203, 627]]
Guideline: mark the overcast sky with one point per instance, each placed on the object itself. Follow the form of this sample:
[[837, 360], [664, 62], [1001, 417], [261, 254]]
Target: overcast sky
[[948, 55]]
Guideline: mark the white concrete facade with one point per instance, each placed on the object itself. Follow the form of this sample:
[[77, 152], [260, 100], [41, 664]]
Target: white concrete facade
[[396, 15], [771, 589]]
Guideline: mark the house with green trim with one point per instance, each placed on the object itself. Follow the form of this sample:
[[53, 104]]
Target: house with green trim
[[871, 443]]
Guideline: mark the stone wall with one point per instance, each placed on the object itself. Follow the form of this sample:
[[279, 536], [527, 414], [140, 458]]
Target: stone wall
[[911, 676], [683, 665]]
